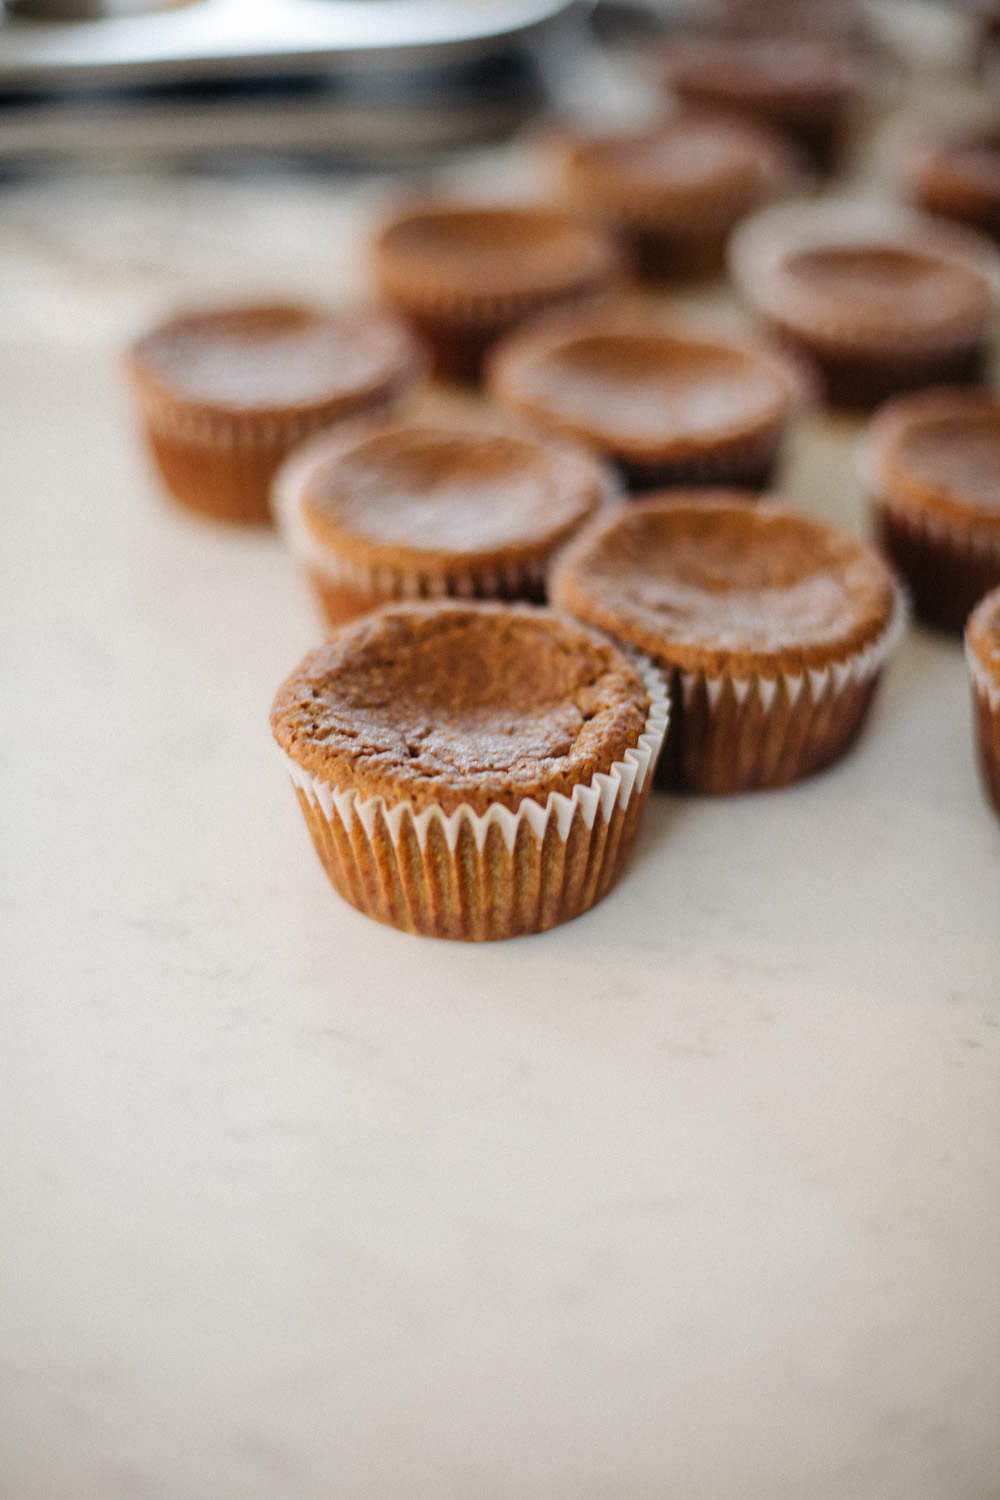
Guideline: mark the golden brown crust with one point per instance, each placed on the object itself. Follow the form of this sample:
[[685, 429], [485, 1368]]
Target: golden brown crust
[[454, 704], [645, 388], [714, 586], [425, 501]]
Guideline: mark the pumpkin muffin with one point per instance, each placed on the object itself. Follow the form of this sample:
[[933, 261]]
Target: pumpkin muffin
[[982, 650], [806, 87], [961, 180], [464, 275], [931, 464], [401, 510], [771, 628], [675, 191], [225, 395], [471, 771], [880, 298], [668, 401]]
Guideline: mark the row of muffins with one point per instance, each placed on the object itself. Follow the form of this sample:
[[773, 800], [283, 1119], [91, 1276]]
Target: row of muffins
[[758, 698]]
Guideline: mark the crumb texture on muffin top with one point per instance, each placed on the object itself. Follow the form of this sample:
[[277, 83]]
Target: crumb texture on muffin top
[[274, 356], [718, 586], [644, 385], [402, 490], [451, 703]]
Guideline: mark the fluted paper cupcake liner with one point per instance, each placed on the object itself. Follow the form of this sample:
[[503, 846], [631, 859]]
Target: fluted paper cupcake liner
[[986, 715], [483, 876], [737, 734], [223, 464], [948, 567], [347, 586], [748, 463]]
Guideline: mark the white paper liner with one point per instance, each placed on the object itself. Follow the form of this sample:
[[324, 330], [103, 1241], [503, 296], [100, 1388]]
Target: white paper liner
[[603, 793], [521, 578], [833, 678]]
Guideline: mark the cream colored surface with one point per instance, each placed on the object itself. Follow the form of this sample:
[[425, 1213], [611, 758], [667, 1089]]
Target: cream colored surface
[[698, 1196]]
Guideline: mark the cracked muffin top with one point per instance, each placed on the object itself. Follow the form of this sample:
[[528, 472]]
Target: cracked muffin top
[[712, 584], [452, 703]]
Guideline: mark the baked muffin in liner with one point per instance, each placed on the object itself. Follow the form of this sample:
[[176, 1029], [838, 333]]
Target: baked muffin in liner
[[960, 179], [771, 628], [931, 465], [478, 863], [982, 652], [463, 275], [807, 87], [676, 190], [226, 395], [881, 298], [668, 400], [413, 510]]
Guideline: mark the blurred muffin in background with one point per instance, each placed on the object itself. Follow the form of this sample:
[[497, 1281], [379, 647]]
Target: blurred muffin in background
[[806, 86], [931, 465], [960, 179], [676, 189], [667, 400], [463, 275], [403, 510], [226, 395], [882, 299]]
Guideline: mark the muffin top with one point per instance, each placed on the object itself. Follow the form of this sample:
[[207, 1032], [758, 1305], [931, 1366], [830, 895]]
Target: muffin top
[[865, 274], [447, 254], [704, 165], [451, 703], [760, 70], [402, 495], [276, 358], [971, 162], [636, 384], [938, 451], [712, 585], [982, 639]]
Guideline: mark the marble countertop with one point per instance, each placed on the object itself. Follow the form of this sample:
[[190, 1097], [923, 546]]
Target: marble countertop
[[697, 1196]]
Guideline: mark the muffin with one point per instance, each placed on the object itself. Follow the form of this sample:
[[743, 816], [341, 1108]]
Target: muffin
[[806, 87], [770, 628], [464, 275], [882, 299], [931, 464], [471, 771], [961, 180], [667, 401], [982, 651], [225, 395], [401, 510], [676, 190]]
